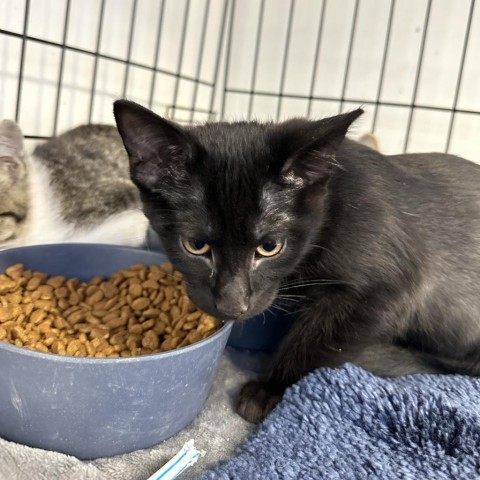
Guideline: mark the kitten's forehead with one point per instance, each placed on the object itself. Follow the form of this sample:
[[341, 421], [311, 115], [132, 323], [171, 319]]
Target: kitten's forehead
[[240, 141], [235, 166]]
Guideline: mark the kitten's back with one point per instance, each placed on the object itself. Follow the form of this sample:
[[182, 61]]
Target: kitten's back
[[88, 170]]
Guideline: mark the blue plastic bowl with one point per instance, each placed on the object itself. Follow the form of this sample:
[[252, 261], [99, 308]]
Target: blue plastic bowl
[[92, 407], [261, 333]]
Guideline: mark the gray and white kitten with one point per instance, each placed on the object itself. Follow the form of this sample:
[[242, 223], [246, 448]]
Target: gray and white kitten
[[74, 188]]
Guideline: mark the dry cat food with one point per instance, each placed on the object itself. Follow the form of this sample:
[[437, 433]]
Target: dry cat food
[[138, 311]]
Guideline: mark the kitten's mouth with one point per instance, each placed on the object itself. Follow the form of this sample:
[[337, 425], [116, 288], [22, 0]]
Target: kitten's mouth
[[257, 306]]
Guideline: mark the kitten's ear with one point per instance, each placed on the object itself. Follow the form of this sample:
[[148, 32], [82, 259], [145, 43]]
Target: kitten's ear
[[12, 166], [314, 145], [157, 148]]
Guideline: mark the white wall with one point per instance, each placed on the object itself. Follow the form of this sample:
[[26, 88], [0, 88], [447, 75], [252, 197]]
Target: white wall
[[346, 67]]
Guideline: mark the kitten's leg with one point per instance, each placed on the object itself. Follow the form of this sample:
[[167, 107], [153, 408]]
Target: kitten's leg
[[302, 352]]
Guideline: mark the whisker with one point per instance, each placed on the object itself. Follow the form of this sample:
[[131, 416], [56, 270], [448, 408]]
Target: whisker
[[290, 296], [278, 307], [311, 284], [313, 245]]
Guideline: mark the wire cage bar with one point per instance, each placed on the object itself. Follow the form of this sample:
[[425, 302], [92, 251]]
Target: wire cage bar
[[411, 64]]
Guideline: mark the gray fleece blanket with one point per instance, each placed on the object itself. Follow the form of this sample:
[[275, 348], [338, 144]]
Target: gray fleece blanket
[[217, 430]]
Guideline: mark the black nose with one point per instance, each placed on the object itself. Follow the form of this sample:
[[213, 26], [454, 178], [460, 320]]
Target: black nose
[[231, 308]]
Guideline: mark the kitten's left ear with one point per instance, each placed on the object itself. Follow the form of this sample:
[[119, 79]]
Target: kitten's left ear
[[315, 145], [157, 148]]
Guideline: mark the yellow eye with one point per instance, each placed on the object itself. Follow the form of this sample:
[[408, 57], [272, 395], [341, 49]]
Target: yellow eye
[[269, 249], [195, 246]]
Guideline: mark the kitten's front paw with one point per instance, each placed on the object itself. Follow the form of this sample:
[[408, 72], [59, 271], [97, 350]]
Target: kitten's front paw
[[255, 401]]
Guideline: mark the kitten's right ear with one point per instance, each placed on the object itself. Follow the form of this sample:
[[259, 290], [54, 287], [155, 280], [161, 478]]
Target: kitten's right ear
[[157, 148], [12, 166]]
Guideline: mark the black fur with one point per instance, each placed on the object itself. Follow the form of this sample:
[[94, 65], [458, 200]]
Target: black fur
[[381, 255]]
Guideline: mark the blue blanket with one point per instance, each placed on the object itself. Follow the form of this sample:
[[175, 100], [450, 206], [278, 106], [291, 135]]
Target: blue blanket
[[346, 424]]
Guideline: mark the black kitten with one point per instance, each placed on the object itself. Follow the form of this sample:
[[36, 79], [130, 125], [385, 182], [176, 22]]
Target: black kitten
[[380, 255]]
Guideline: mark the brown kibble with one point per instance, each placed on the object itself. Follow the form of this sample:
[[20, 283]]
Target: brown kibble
[[175, 312], [109, 290], [166, 318], [46, 292], [147, 324], [135, 290], [18, 332], [150, 340], [62, 304], [45, 326], [18, 315], [117, 322], [110, 303], [193, 336], [95, 298], [13, 297], [96, 280], [91, 290], [92, 319], [73, 347], [133, 341], [165, 306], [90, 349], [60, 323], [140, 303], [150, 284], [61, 292], [72, 284], [188, 325], [136, 329], [83, 327], [5, 314], [33, 284], [207, 322], [74, 298], [58, 347], [159, 328], [15, 271], [35, 295], [46, 305], [49, 341], [118, 338], [151, 313], [7, 285], [128, 273], [159, 298], [139, 311], [56, 282], [169, 293], [167, 268], [170, 343], [76, 317], [99, 333], [194, 316], [81, 352], [41, 347]]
